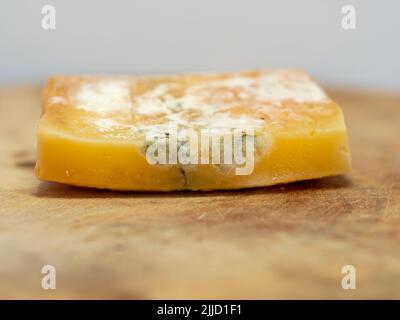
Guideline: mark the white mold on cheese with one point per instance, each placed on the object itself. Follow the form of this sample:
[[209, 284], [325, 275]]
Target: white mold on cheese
[[103, 96]]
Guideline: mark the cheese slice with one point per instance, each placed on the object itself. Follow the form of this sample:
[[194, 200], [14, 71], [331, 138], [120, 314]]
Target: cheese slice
[[113, 132]]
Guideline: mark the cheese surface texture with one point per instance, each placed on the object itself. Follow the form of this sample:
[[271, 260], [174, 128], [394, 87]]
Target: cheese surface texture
[[184, 132]]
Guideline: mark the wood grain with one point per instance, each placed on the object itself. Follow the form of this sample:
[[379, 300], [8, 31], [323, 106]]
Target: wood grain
[[278, 242]]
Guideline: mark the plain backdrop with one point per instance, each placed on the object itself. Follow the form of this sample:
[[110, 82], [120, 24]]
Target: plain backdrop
[[167, 36]]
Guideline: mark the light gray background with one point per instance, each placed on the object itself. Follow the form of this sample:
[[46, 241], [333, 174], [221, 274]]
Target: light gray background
[[165, 36]]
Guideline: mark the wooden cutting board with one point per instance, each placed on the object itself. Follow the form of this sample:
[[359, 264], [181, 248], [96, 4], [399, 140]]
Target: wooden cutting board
[[286, 241]]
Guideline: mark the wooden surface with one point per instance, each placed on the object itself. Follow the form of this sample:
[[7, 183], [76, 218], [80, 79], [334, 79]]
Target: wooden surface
[[278, 242]]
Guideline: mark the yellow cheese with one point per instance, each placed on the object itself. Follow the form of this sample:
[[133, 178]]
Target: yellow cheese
[[113, 132]]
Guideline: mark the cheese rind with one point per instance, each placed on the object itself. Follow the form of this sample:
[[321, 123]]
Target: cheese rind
[[93, 129]]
